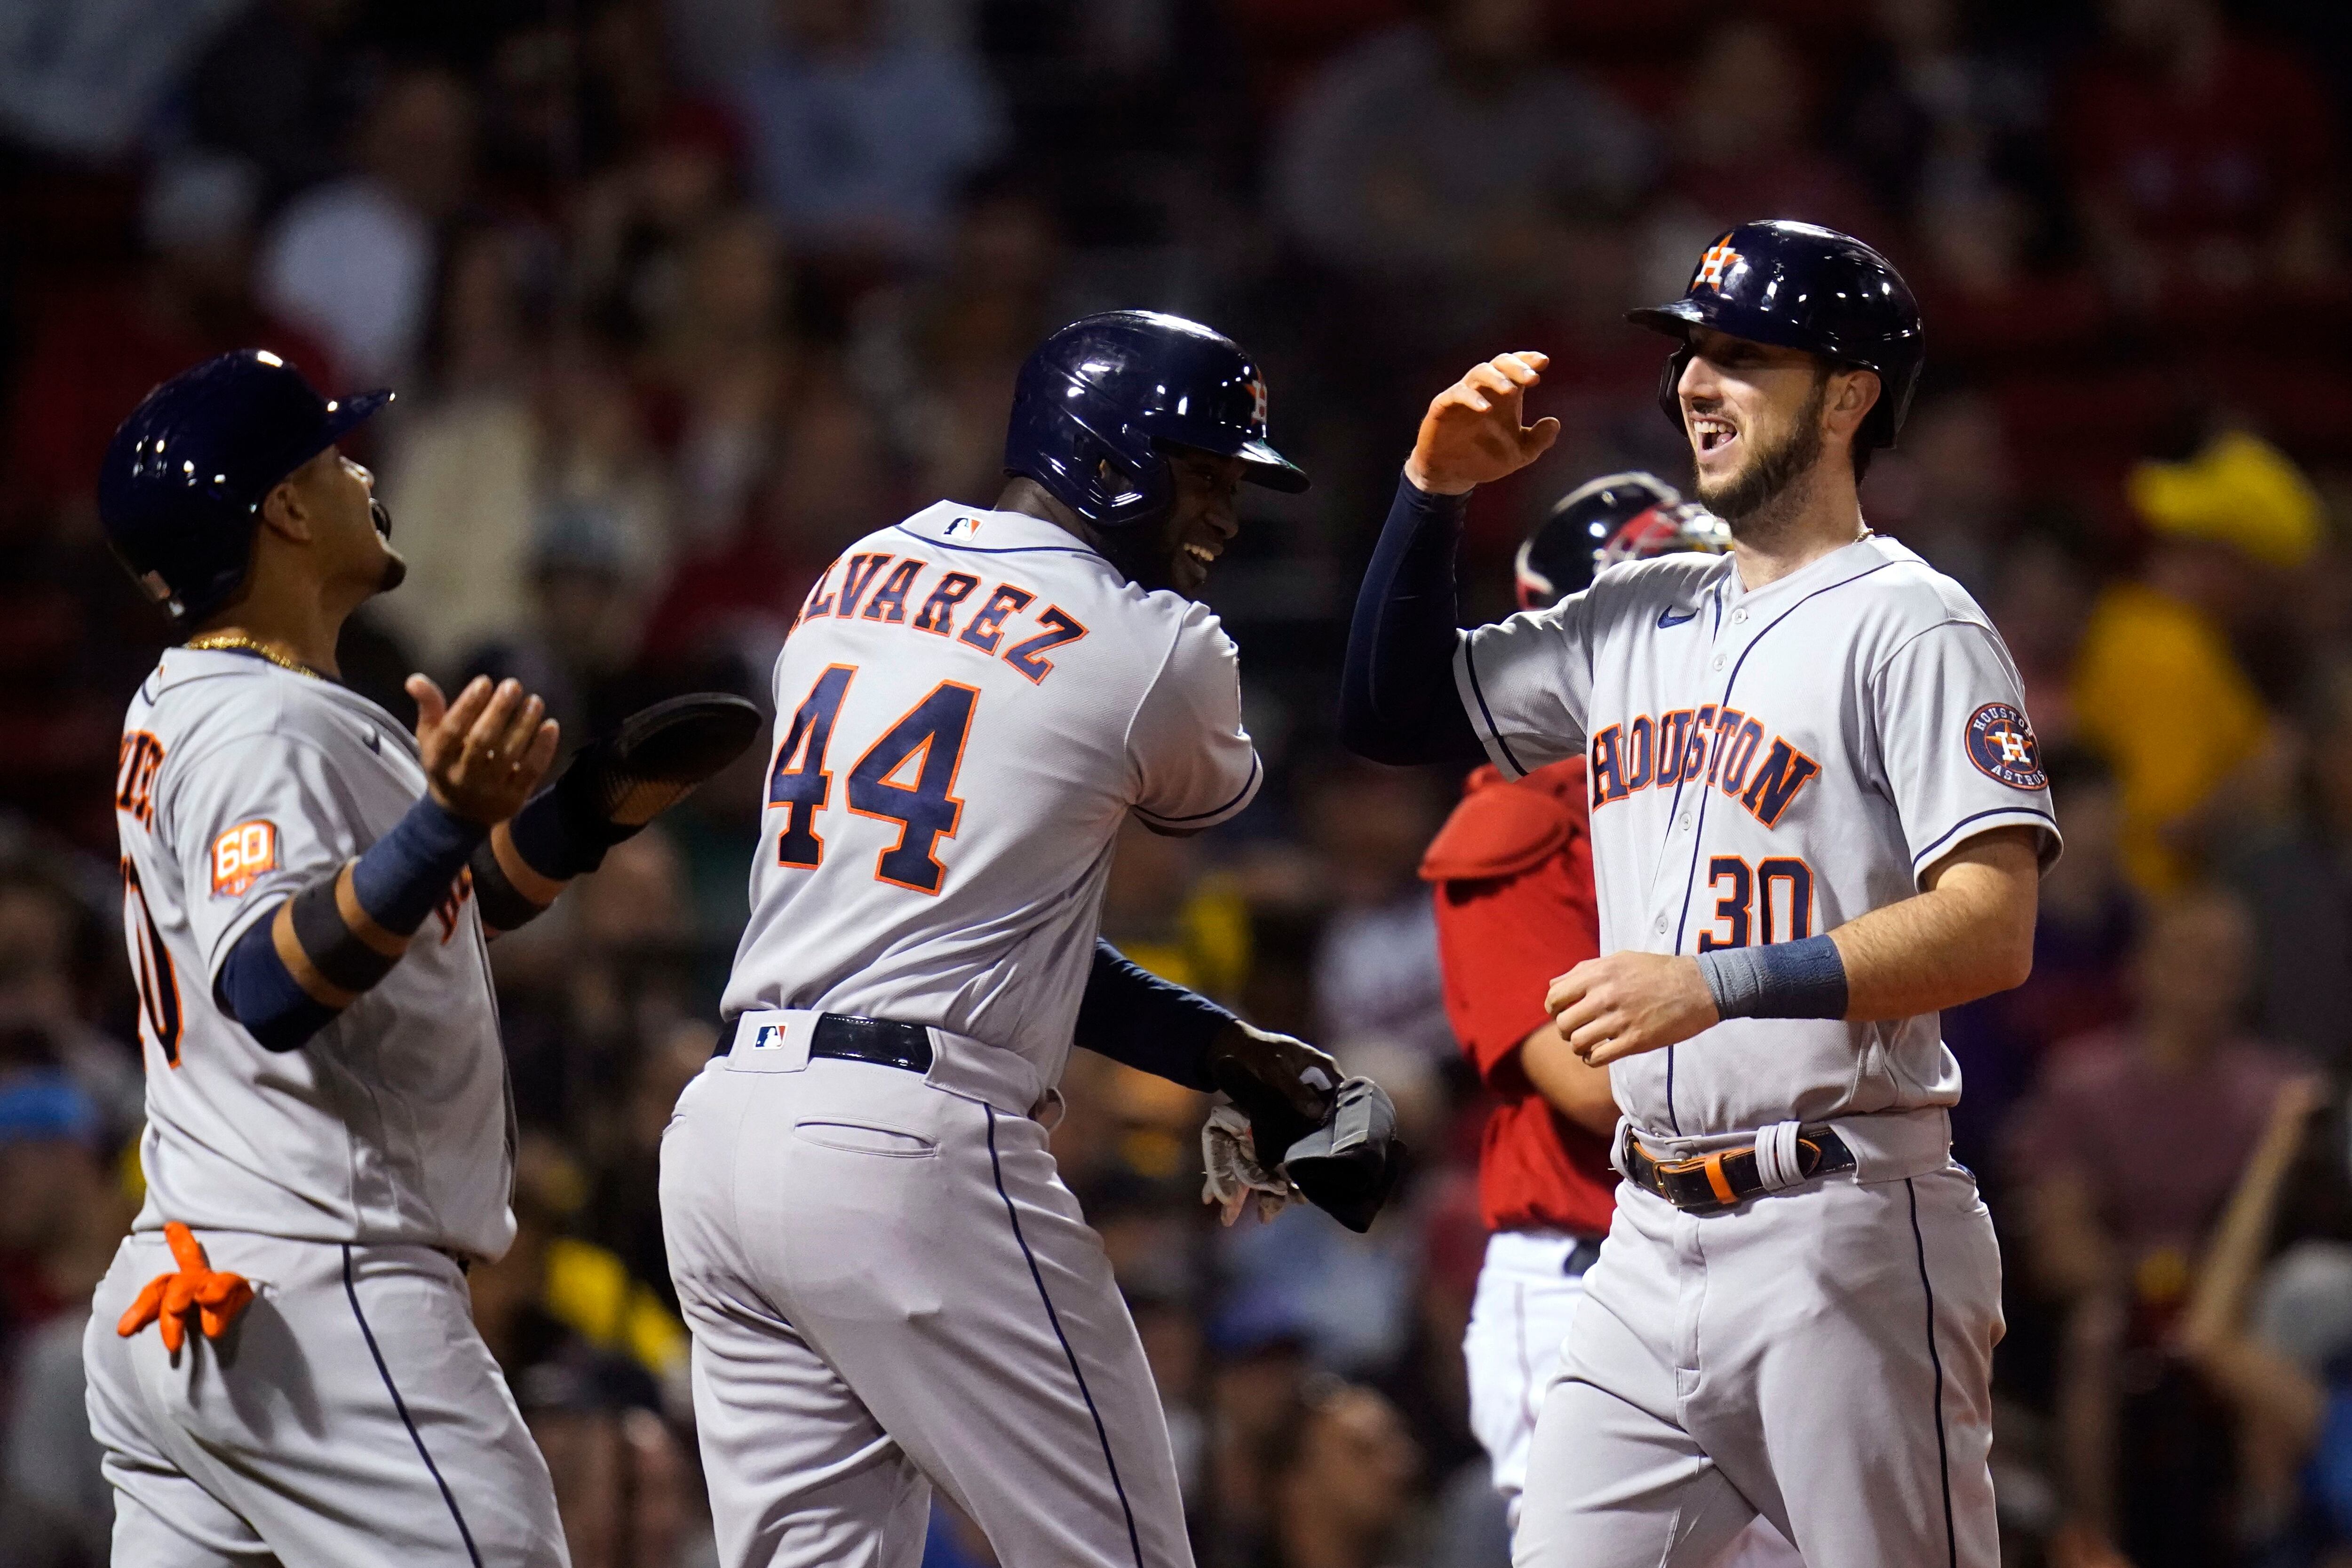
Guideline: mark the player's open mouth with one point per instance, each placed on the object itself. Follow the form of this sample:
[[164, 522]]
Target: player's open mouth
[[1712, 432], [1204, 553]]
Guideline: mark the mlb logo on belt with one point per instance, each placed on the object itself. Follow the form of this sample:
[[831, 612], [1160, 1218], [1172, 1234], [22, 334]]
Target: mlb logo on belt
[[241, 855], [769, 1037]]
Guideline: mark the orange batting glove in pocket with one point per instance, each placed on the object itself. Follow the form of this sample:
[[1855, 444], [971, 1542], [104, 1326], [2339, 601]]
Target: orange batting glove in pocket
[[215, 1297]]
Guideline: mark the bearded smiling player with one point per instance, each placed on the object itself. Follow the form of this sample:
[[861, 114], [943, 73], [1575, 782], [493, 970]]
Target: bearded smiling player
[[1817, 818]]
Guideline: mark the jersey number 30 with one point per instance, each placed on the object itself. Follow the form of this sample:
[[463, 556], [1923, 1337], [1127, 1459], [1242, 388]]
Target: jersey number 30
[[907, 777]]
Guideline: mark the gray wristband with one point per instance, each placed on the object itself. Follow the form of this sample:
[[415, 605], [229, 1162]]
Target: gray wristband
[[1802, 979]]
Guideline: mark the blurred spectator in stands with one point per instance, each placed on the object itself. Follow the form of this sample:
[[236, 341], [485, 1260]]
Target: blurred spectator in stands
[[2298, 882], [2125, 1157], [2040, 600], [354, 260], [1165, 912], [276, 88], [1949, 490], [1741, 148], [938, 360], [96, 350], [462, 478], [578, 647], [1376, 973], [1343, 1488], [63, 1214], [721, 358], [625, 1488], [587, 986], [2082, 940], [2202, 164], [1258, 1378], [55, 953], [1927, 113], [859, 136], [2158, 687], [1447, 155], [635, 222], [565, 1311], [2272, 1372], [826, 488], [623, 1212], [84, 79]]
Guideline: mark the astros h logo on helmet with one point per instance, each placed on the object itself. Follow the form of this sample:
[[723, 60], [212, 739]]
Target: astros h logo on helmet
[[1720, 260]]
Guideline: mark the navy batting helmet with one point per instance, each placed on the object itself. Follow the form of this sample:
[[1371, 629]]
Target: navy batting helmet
[[180, 492], [1617, 517], [1801, 287], [1100, 400]]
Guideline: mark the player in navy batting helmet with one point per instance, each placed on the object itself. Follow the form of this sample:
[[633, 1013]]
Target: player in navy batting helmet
[[1629, 516], [1795, 285], [180, 492], [1142, 427]]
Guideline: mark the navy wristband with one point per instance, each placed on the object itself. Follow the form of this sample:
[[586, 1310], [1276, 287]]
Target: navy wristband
[[1802, 979], [407, 872]]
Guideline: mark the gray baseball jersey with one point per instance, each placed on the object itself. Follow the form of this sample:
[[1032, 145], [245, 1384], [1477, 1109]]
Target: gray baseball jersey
[[239, 783], [1765, 766], [970, 706]]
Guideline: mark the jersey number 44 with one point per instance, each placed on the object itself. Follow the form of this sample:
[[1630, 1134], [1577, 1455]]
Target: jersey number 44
[[906, 776]]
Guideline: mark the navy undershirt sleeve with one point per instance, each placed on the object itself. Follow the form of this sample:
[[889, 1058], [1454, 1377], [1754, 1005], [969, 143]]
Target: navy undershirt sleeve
[[1131, 1015], [1398, 702], [257, 990], [399, 882]]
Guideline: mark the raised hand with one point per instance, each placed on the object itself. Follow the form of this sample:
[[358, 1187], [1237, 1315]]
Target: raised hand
[[485, 753], [1472, 432]]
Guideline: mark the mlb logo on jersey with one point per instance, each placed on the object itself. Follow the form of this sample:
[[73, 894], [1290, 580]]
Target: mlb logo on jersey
[[962, 527], [241, 855], [2002, 745]]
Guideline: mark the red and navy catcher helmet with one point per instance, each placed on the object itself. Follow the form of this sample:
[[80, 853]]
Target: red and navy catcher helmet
[[1629, 516]]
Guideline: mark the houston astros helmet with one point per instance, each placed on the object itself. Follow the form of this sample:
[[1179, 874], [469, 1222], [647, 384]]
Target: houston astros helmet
[[1099, 400], [1800, 286], [1629, 516], [180, 492]]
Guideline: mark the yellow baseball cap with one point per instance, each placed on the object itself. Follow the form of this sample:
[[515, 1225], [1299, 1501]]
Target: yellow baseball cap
[[2240, 492]]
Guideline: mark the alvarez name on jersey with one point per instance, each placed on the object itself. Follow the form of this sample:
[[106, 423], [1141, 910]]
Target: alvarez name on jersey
[[240, 782], [969, 707]]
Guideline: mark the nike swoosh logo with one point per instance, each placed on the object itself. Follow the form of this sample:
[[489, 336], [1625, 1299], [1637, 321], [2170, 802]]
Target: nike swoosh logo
[[1668, 619], [375, 743]]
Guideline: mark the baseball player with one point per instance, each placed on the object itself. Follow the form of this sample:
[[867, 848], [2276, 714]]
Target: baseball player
[[282, 1365], [1817, 818], [1513, 869], [888, 1285]]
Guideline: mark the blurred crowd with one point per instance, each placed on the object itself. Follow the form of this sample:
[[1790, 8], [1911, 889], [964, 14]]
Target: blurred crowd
[[680, 296]]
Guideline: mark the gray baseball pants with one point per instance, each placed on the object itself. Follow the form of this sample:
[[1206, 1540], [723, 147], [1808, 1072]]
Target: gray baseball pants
[[891, 1289], [1821, 1356], [351, 1415]]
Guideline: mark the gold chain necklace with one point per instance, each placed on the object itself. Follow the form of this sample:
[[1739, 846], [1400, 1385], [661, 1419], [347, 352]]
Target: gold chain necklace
[[229, 642]]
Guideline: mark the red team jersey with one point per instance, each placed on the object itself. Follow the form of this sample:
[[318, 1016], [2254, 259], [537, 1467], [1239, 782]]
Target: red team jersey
[[1513, 867]]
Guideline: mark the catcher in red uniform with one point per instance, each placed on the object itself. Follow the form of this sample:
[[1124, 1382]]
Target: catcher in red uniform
[[1513, 869]]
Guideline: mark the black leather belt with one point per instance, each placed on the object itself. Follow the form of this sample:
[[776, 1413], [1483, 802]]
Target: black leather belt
[[843, 1037], [1728, 1177]]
